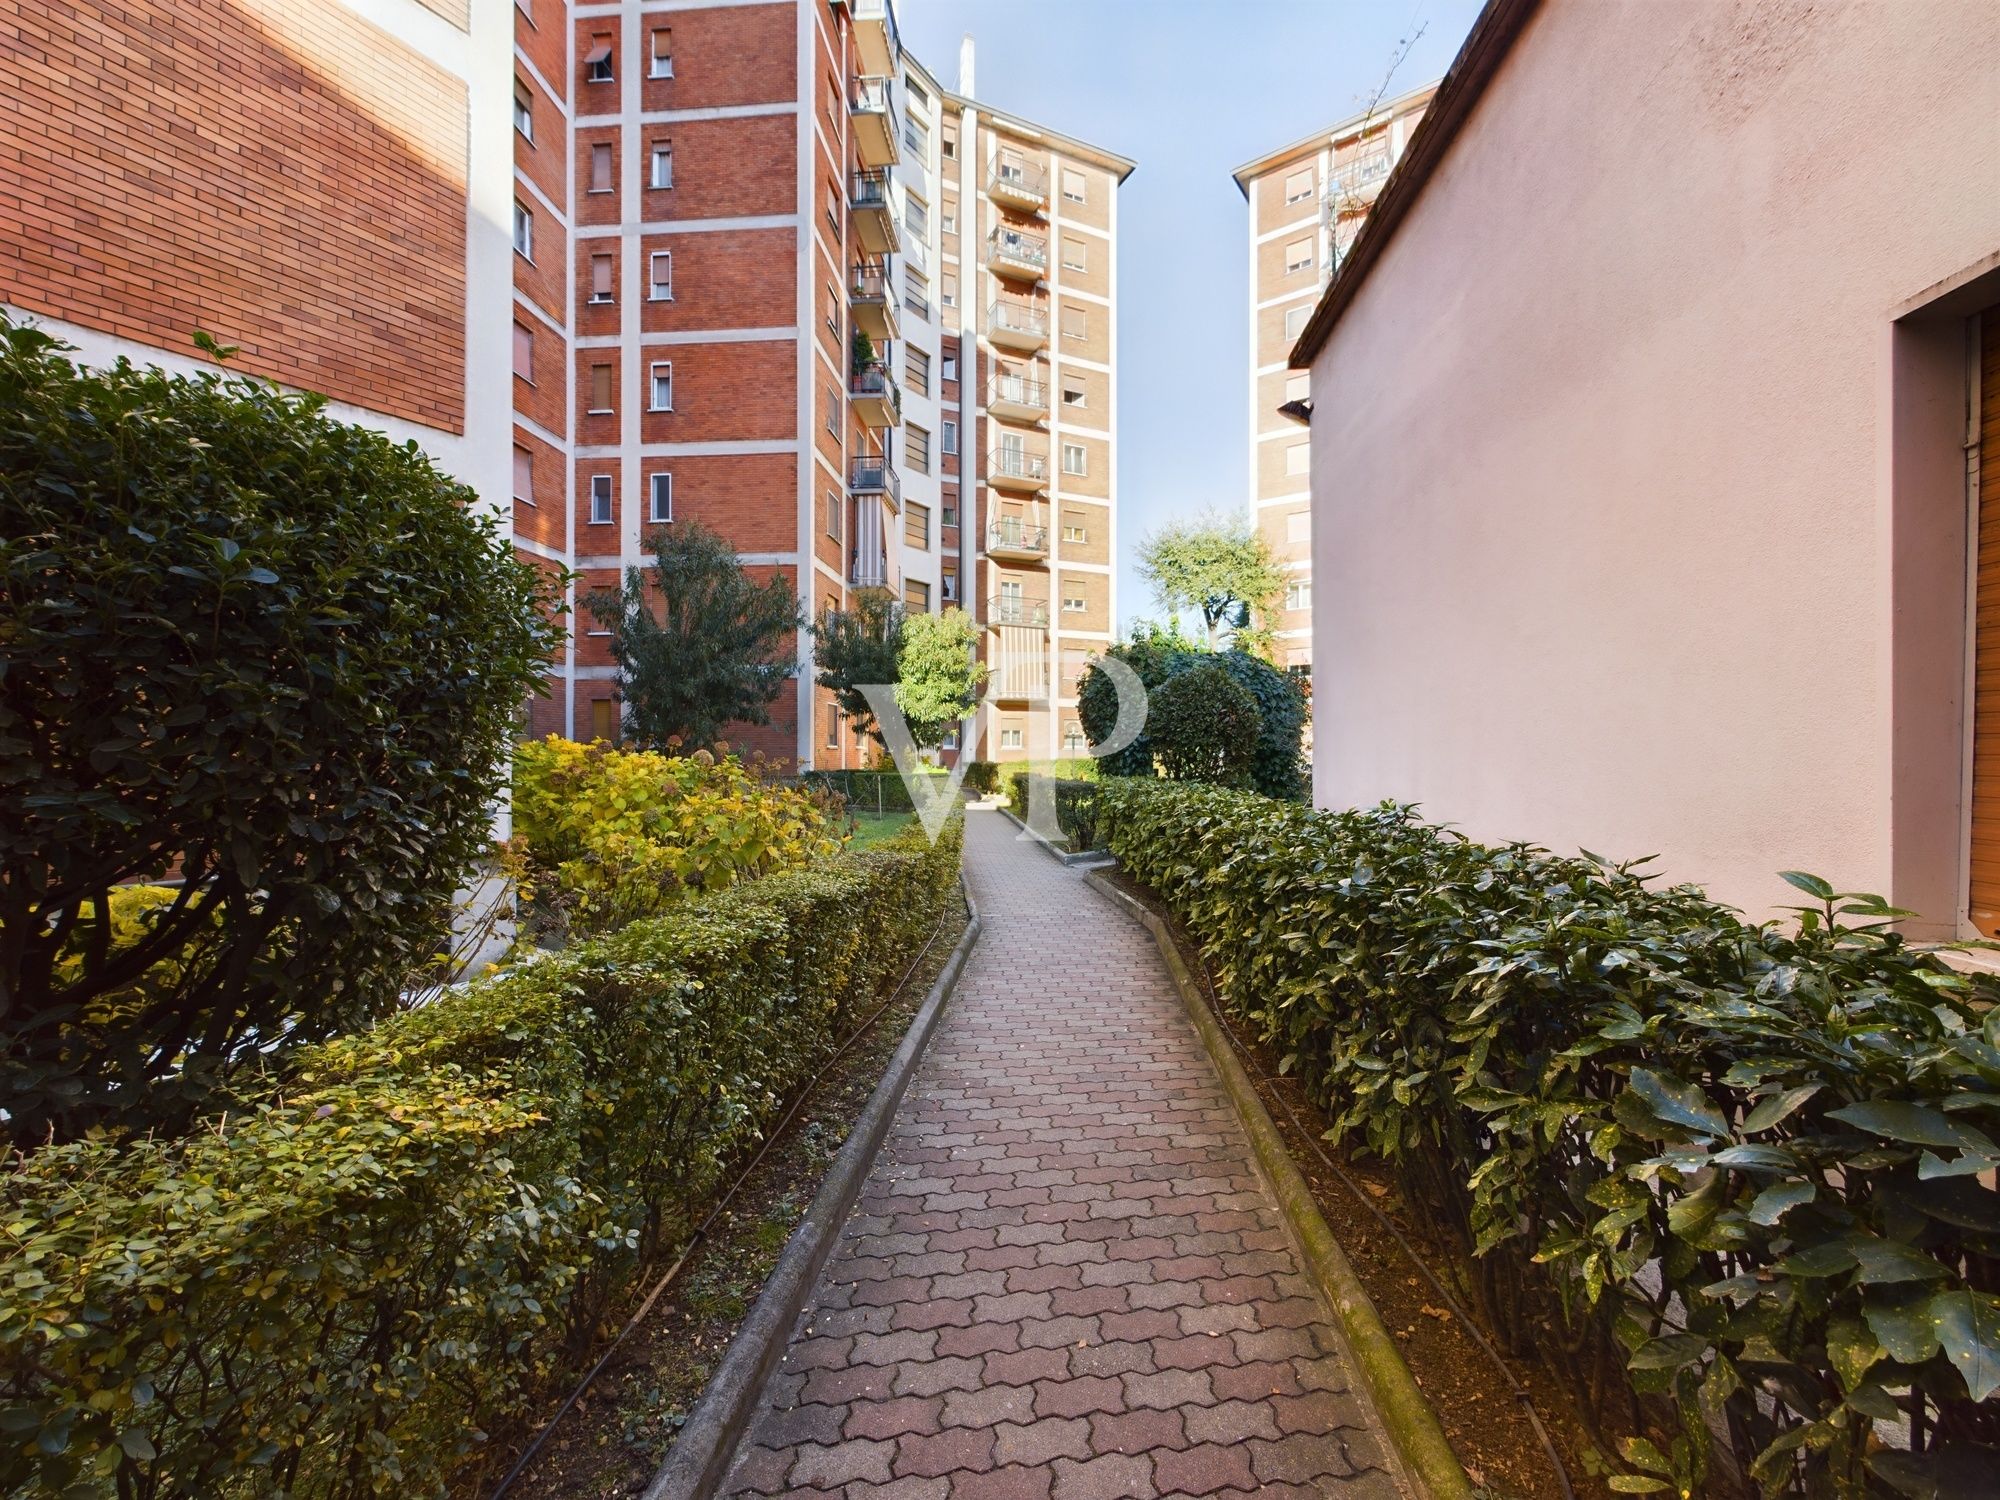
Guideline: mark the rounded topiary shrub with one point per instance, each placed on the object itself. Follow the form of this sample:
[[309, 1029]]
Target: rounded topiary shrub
[[1204, 726], [1277, 767], [269, 659]]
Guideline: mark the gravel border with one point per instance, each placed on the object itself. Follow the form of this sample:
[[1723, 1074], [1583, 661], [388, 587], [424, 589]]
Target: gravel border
[[1416, 1437], [702, 1454]]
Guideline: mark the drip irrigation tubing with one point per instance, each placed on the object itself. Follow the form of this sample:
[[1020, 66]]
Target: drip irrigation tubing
[[1519, 1392], [700, 1234]]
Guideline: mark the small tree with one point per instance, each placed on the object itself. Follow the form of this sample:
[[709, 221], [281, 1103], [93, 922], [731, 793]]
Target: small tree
[[941, 674], [858, 646], [273, 658], [717, 649], [1219, 566], [1204, 727]]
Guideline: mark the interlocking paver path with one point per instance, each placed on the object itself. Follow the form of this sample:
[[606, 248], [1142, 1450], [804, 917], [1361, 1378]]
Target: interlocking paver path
[[1064, 1278]]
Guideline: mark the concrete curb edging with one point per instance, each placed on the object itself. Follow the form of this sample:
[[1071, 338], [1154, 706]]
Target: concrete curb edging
[[707, 1444], [1408, 1420], [1085, 857]]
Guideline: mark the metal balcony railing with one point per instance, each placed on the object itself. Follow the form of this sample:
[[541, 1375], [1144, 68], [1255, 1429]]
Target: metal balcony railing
[[869, 189], [1018, 317], [1023, 181], [868, 572], [1017, 390], [1015, 463], [873, 474], [1006, 609], [869, 281], [871, 96], [1017, 536], [1022, 249], [1359, 174], [874, 382]]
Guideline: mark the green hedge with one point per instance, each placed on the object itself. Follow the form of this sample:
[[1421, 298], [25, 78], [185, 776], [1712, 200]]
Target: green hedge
[[1075, 805], [341, 1293], [1719, 1176]]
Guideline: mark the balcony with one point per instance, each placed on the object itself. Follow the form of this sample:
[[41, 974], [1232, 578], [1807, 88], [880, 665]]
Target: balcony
[[869, 200], [876, 400], [1020, 677], [873, 474], [1011, 252], [870, 571], [1017, 398], [1354, 182], [1010, 539], [875, 36], [1018, 325], [872, 114], [1011, 609], [1017, 469], [873, 300], [1022, 187]]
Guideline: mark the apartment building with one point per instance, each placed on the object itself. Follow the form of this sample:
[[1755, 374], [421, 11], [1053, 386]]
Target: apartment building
[[1307, 203], [727, 239]]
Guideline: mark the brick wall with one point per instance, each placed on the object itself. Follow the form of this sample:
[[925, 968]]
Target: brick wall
[[735, 392], [724, 56], [287, 178]]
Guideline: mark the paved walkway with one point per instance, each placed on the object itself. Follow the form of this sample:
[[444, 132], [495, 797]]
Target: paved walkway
[[1064, 1277]]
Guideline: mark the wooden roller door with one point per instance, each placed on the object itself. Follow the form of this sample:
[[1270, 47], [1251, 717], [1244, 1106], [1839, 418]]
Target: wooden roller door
[[1984, 886]]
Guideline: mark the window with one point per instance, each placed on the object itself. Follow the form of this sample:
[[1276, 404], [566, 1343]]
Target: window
[[917, 216], [1072, 184], [833, 204], [600, 278], [948, 587], [832, 99], [917, 447], [833, 408], [600, 388], [662, 64], [524, 475], [524, 230], [524, 109], [1299, 185], [917, 136], [948, 219], [662, 385], [600, 499], [524, 352], [917, 96], [1075, 459], [660, 276], [949, 370], [1075, 527], [948, 510], [1074, 325], [1299, 594], [832, 728], [1298, 458], [917, 597], [948, 289], [1298, 255], [597, 62], [600, 167], [663, 166], [917, 524], [1072, 390], [1010, 739], [1298, 526], [1073, 604], [948, 437], [948, 143], [1072, 252], [833, 309], [604, 716], [1295, 321], [833, 514], [916, 291], [1298, 385], [662, 487], [917, 370]]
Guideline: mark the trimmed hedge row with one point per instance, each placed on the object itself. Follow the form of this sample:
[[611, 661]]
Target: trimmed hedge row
[[1726, 1179], [340, 1293], [1075, 807]]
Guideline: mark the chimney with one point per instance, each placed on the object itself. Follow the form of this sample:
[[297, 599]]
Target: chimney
[[965, 89]]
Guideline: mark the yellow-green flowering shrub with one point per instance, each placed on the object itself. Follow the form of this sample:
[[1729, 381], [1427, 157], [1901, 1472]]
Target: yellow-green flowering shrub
[[603, 836], [344, 1291]]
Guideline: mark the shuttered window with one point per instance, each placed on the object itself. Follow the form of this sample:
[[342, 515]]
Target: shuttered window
[[1984, 889]]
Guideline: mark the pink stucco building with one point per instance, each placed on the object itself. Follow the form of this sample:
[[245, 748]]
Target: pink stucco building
[[1649, 416]]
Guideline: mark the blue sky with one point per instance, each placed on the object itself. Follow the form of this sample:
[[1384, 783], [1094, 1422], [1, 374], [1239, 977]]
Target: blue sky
[[1191, 89]]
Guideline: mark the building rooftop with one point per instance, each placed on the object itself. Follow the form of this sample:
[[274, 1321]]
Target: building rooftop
[[1384, 109]]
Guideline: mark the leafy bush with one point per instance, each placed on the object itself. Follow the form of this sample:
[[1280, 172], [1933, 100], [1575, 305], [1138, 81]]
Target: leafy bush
[[1719, 1176], [1204, 727], [1075, 804], [1278, 761], [274, 655], [603, 836], [982, 778], [343, 1291]]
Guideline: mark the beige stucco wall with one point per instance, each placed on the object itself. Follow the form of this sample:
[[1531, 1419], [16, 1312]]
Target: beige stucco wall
[[1635, 519]]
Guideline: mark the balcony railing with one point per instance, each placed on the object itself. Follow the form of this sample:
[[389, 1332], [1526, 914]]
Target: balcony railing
[[1359, 174], [1018, 320], [870, 572], [1017, 390], [869, 282], [869, 189], [1015, 463], [1019, 184], [1011, 247], [1016, 536], [871, 96], [873, 474], [1006, 609], [872, 110], [874, 383]]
